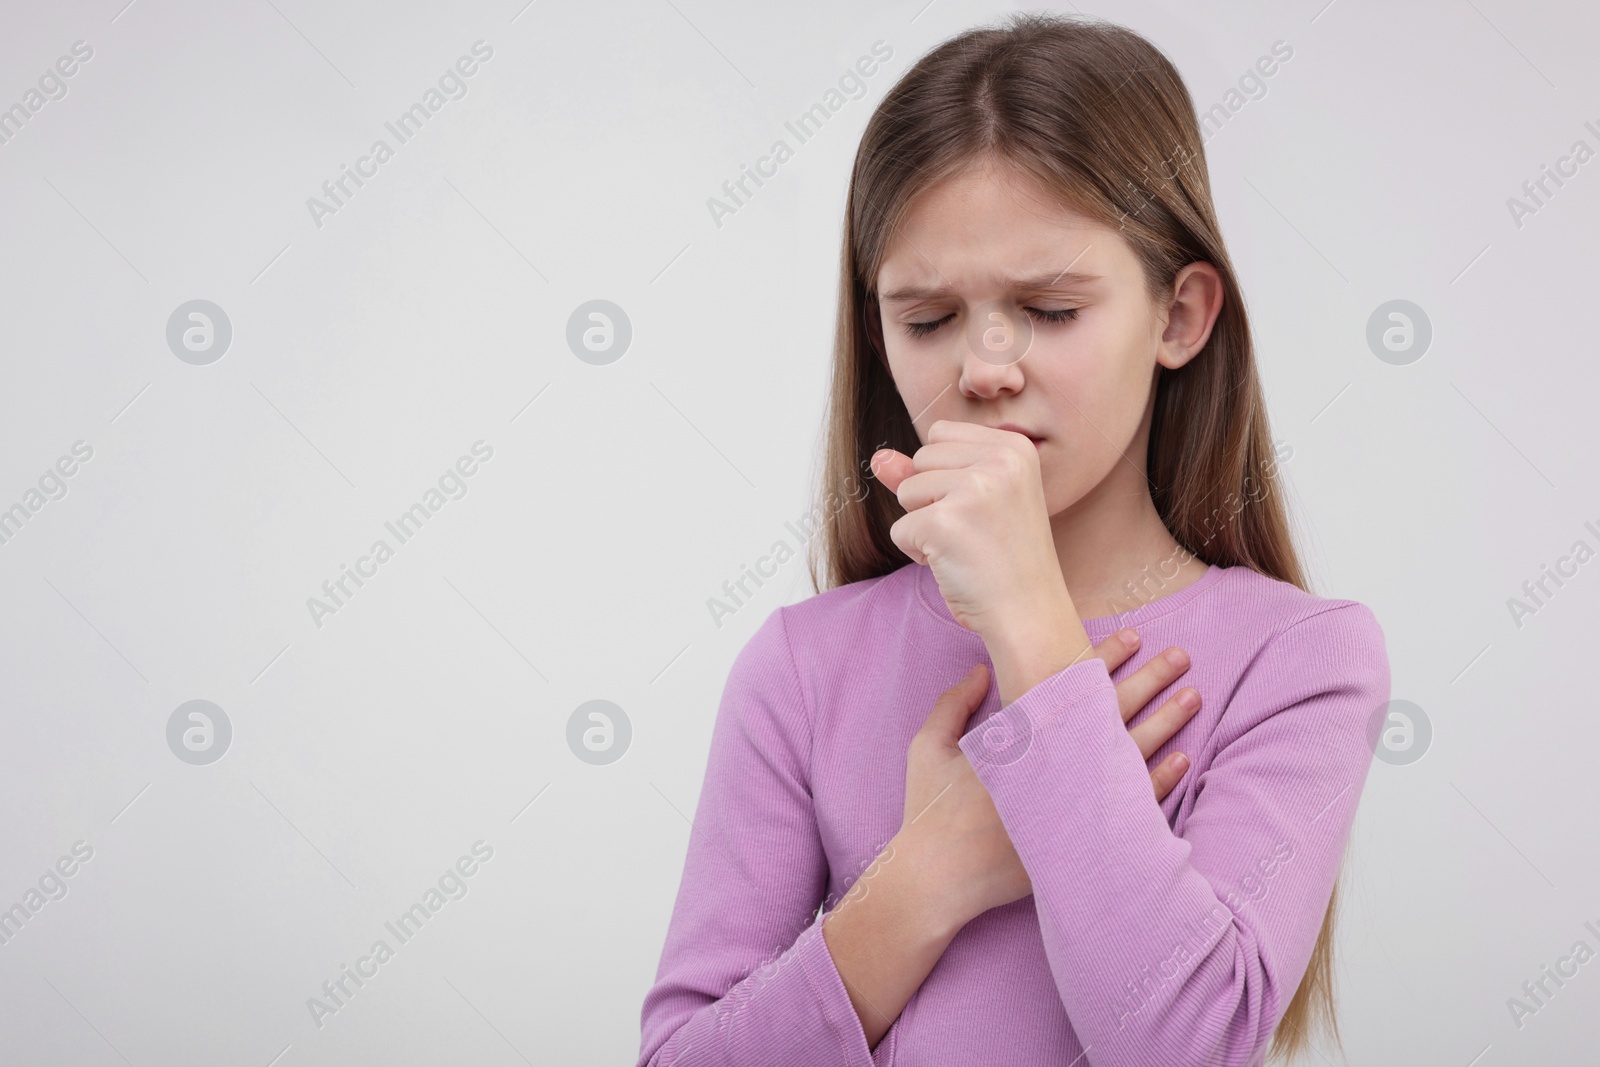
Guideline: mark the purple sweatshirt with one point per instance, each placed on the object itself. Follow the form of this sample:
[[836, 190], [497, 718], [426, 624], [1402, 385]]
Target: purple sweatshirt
[[1171, 933]]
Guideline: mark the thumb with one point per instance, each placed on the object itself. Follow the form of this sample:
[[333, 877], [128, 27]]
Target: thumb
[[891, 468], [948, 719]]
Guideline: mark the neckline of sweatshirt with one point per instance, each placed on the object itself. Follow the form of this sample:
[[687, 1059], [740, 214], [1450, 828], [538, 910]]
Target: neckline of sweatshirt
[[926, 589]]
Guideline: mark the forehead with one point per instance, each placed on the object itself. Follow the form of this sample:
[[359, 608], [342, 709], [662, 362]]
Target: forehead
[[994, 222]]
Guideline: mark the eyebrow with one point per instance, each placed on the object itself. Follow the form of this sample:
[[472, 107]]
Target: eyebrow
[[1058, 280]]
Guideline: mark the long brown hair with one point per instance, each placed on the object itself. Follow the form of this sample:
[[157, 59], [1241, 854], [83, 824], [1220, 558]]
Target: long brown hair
[[1102, 117]]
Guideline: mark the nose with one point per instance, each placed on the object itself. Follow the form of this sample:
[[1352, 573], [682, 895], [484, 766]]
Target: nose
[[994, 343]]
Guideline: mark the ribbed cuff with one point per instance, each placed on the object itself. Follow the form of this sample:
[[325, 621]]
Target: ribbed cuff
[[817, 964], [1007, 735]]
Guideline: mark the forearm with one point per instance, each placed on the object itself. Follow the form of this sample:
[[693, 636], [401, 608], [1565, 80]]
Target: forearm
[[887, 934]]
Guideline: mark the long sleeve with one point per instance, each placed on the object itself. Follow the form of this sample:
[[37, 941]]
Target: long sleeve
[[736, 985], [1186, 950]]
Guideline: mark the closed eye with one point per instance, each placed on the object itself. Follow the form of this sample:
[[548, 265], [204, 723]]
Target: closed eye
[[923, 329]]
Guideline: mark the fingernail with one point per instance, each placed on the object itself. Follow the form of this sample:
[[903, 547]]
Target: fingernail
[[1180, 762], [1129, 638], [1188, 700], [1177, 657]]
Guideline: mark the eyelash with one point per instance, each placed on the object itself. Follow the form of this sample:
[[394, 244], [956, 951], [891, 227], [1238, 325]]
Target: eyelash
[[1057, 317]]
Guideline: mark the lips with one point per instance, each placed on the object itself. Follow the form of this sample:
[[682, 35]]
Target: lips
[[1014, 428]]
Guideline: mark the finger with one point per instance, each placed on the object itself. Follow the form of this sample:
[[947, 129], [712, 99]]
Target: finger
[[907, 533], [891, 467], [948, 719], [1136, 690], [1116, 649], [970, 445], [941, 468], [927, 486], [1167, 720], [1168, 774], [957, 430], [948, 455]]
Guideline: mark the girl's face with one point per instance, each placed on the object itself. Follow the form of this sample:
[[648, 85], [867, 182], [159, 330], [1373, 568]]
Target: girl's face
[[999, 306]]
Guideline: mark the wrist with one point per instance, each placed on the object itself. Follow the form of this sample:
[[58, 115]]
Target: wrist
[[1047, 607], [1031, 643], [933, 898]]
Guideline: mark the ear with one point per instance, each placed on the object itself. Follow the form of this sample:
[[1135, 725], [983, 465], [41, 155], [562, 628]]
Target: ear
[[1195, 302]]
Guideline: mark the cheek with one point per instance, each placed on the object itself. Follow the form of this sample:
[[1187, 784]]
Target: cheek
[[1089, 387], [920, 383], [1097, 394]]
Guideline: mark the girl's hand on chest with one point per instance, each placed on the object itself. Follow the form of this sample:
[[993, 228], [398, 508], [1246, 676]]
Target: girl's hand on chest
[[966, 861]]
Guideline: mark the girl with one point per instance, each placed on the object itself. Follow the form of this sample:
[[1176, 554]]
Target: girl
[[1043, 356]]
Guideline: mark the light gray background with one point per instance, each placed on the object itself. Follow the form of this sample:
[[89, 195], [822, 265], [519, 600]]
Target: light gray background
[[367, 354]]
